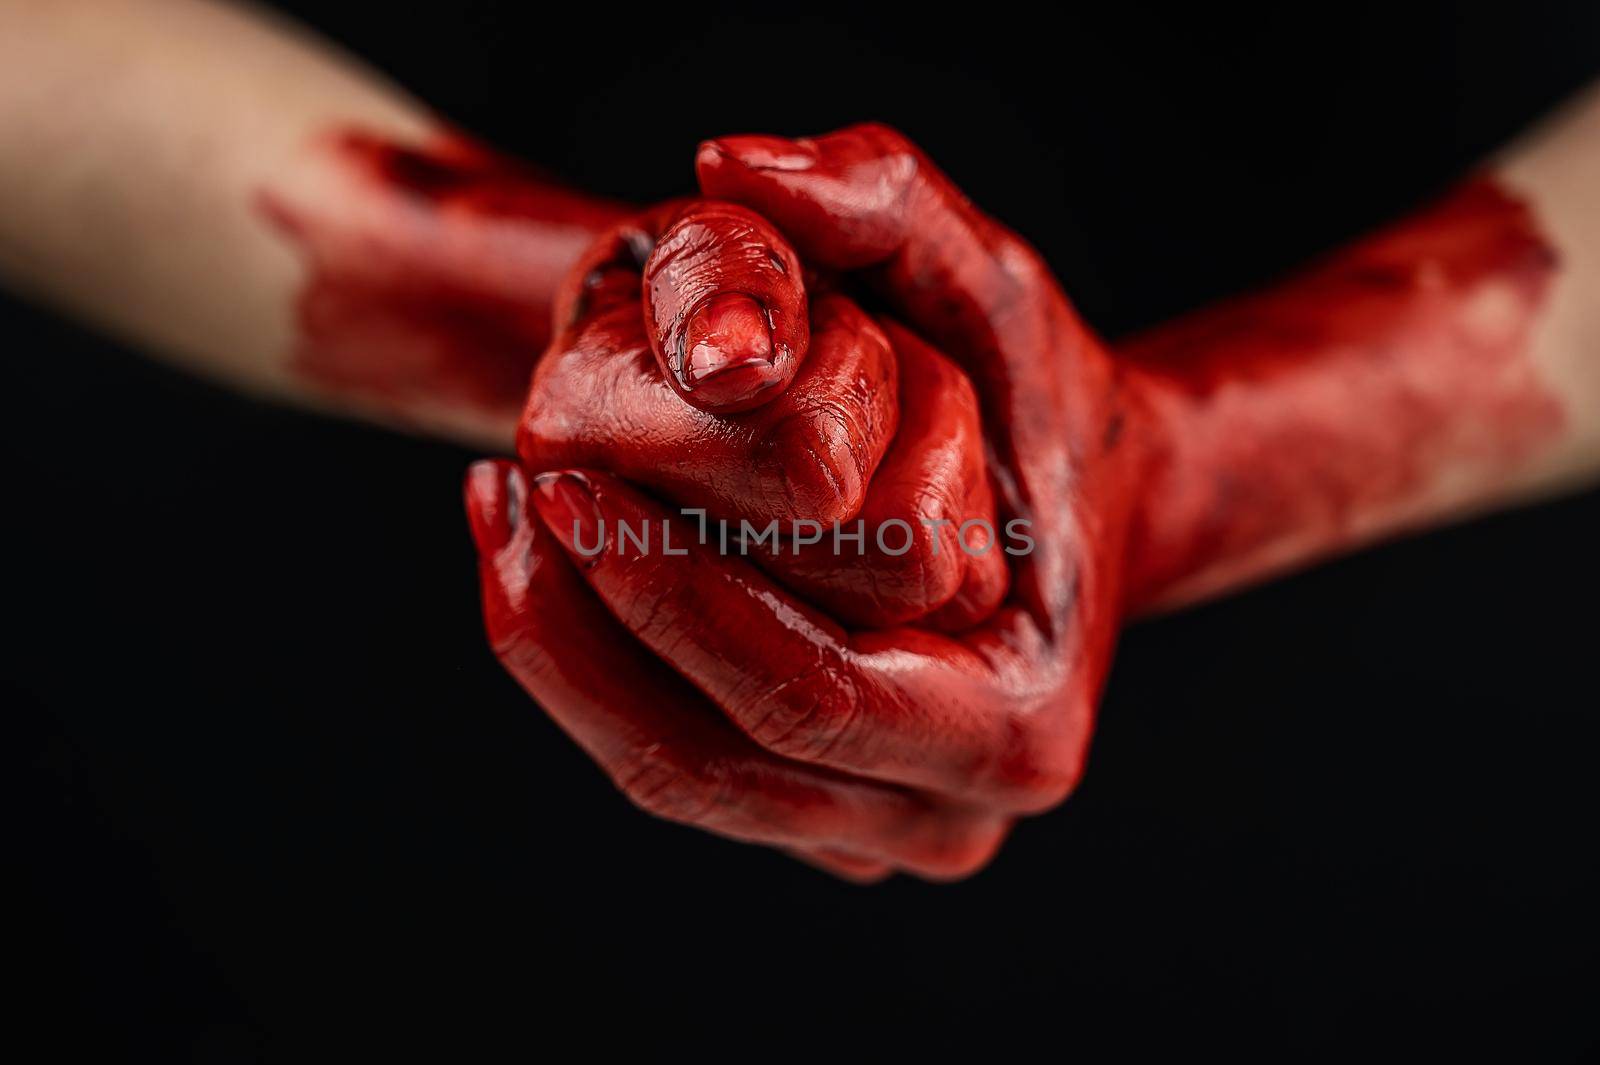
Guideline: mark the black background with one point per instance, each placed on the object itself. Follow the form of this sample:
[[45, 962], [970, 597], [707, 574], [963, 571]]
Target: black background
[[280, 797]]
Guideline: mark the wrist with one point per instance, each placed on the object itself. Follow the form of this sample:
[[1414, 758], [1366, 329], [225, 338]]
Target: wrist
[[429, 271], [1385, 389]]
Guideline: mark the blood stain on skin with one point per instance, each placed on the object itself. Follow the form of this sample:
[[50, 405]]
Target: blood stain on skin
[[430, 269], [1359, 398]]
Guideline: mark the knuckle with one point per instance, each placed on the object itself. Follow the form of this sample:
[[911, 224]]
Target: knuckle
[[819, 463], [1053, 785], [660, 784], [960, 865], [1042, 768], [1017, 261], [927, 574], [968, 848], [882, 131], [810, 716], [886, 140]]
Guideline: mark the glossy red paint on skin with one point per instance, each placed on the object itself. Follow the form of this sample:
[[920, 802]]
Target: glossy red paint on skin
[[1282, 427], [994, 719], [933, 482], [1001, 714], [620, 703], [430, 269], [856, 437], [601, 396]]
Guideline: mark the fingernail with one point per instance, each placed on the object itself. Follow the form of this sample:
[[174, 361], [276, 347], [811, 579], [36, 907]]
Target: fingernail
[[494, 493], [726, 331], [761, 152], [726, 354], [566, 503]]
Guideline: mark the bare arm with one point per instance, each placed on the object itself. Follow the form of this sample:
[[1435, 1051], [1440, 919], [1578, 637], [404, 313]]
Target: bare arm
[[239, 198], [1557, 169]]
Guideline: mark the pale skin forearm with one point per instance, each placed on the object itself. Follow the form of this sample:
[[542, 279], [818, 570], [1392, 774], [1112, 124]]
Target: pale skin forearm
[[1557, 168], [141, 142], [132, 136]]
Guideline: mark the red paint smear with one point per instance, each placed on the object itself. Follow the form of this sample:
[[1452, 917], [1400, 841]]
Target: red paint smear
[[431, 270], [1303, 420]]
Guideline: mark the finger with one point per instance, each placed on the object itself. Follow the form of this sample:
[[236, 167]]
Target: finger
[[653, 734], [925, 542], [606, 276], [906, 706], [806, 458], [723, 292], [987, 577], [598, 398], [726, 306], [867, 197], [847, 199]]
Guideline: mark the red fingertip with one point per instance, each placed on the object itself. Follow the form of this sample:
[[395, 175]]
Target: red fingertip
[[494, 493], [566, 504], [725, 299]]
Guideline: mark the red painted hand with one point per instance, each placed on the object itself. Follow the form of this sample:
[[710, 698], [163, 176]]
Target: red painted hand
[[836, 418], [822, 734]]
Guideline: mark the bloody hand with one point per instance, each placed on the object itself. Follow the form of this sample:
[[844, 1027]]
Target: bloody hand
[[970, 727], [606, 395], [835, 419]]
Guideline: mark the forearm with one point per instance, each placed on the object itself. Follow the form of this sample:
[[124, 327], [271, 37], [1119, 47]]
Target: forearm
[[229, 194], [1446, 365]]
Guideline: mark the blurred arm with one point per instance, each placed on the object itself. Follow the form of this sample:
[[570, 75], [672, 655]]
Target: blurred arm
[[224, 191], [1446, 365]]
